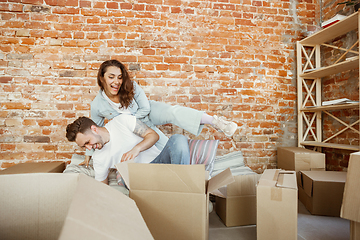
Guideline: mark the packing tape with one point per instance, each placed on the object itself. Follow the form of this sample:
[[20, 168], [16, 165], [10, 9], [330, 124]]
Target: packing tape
[[276, 194]]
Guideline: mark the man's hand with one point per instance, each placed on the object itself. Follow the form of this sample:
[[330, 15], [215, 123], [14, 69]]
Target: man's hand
[[86, 161], [150, 137], [132, 154], [106, 181]]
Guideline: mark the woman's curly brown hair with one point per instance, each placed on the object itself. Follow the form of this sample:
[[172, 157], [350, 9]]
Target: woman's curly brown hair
[[80, 125], [126, 92]]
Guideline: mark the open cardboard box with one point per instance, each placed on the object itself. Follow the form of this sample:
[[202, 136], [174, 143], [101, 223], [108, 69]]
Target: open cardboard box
[[35, 167], [173, 199], [277, 205], [350, 208], [236, 202], [300, 159], [66, 206], [322, 191]]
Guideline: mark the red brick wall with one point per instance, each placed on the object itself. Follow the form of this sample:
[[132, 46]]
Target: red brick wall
[[345, 85], [232, 57]]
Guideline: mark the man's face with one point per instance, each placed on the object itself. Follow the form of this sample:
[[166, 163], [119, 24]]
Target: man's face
[[90, 140]]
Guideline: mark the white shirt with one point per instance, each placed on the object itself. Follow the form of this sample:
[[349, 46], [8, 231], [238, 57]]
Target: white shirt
[[122, 140], [116, 106]]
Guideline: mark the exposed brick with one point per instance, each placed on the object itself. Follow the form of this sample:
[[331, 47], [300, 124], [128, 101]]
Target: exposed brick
[[229, 58], [37, 139], [5, 79]]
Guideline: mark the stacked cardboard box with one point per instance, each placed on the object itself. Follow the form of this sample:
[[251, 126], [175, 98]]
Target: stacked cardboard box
[[300, 159], [173, 199], [319, 190], [350, 208], [66, 206], [277, 206], [236, 203]]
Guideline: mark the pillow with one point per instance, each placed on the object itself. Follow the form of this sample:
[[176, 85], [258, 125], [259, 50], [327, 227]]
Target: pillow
[[203, 152]]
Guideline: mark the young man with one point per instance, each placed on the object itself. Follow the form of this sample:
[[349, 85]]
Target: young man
[[125, 138]]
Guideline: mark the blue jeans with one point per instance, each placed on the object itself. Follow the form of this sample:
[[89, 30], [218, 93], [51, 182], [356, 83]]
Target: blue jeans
[[176, 151]]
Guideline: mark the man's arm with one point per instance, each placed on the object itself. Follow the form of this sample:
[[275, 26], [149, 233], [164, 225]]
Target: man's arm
[[150, 137], [106, 181]]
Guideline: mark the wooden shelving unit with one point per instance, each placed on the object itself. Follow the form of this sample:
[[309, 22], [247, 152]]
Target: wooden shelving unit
[[309, 75]]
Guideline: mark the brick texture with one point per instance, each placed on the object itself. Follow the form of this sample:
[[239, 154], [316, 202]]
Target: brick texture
[[230, 58]]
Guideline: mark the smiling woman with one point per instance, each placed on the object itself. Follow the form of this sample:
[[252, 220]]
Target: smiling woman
[[120, 95]]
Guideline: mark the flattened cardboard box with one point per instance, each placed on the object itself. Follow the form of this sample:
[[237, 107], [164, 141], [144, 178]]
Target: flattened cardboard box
[[35, 167], [236, 202], [323, 191], [277, 205], [173, 199], [66, 206], [300, 159], [350, 208]]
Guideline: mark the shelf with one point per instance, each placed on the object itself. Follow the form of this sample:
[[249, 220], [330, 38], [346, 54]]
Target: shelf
[[330, 107], [335, 30], [332, 69], [331, 145], [310, 52]]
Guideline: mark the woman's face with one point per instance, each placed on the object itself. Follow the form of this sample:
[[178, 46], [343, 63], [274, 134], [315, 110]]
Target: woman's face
[[112, 81]]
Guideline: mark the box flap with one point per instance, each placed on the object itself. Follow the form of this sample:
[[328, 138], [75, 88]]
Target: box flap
[[35, 167], [221, 192], [244, 185], [124, 171], [165, 177], [350, 208], [326, 176], [34, 206], [307, 183], [219, 180], [99, 212]]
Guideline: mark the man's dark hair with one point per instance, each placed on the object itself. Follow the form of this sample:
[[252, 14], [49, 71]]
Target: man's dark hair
[[80, 125]]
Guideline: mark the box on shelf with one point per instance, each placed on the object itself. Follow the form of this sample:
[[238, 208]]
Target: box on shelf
[[236, 202], [277, 205], [35, 167], [323, 191], [66, 206], [350, 208], [299, 159], [173, 199]]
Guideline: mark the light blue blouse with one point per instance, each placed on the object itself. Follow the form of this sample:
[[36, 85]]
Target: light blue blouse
[[101, 109], [139, 107]]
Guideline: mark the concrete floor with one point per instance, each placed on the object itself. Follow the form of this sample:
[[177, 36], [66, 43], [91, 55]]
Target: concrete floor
[[310, 227]]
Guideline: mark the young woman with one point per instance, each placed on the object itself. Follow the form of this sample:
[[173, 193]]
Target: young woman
[[120, 95]]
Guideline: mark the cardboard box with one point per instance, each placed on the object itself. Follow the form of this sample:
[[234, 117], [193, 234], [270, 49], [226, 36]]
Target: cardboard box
[[350, 208], [173, 199], [35, 167], [277, 205], [300, 159], [66, 206], [236, 203], [324, 191]]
